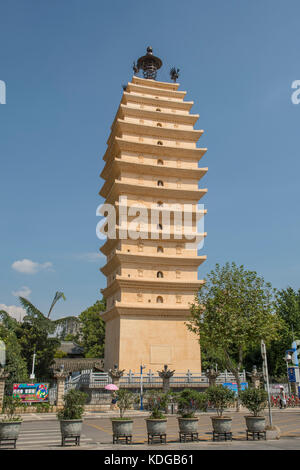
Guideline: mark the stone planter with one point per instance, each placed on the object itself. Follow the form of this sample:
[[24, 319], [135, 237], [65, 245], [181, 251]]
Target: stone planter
[[122, 427], [10, 430], [156, 426], [70, 427], [188, 425], [255, 423], [221, 425]]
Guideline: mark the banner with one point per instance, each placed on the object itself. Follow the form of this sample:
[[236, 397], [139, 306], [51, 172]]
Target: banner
[[31, 393], [233, 386]]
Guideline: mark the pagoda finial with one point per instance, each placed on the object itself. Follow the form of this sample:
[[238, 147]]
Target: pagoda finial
[[174, 74], [149, 64]]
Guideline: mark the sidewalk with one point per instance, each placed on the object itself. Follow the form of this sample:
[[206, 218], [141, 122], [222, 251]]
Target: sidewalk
[[87, 414], [138, 413]]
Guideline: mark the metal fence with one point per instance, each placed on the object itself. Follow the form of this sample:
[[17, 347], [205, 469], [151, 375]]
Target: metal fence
[[52, 394], [98, 381], [179, 378], [101, 379]]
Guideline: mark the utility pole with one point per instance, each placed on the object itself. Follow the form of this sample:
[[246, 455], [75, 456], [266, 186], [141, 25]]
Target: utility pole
[[266, 377]]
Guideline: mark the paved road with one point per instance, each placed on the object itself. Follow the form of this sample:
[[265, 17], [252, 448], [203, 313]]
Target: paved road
[[42, 432]]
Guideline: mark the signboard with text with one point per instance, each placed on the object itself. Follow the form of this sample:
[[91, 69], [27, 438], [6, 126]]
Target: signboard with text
[[31, 393], [292, 374], [233, 386]]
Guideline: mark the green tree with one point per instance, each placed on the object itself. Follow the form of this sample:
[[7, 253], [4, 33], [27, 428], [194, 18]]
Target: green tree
[[34, 336], [288, 309], [232, 312], [125, 400], [255, 400], [93, 330], [73, 408], [59, 354], [15, 364]]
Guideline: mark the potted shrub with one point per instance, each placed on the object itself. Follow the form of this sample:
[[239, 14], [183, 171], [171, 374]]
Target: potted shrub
[[70, 416], [43, 407], [11, 423], [122, 426], [255, 400], [220, 398], [189, 401], [157, 403]]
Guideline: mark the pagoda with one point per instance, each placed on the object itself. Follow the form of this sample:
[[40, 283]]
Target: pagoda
[[151, 162]]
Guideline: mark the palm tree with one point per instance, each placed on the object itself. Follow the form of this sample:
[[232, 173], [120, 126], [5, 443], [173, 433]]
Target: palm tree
[[36, 336], [58, 295], [30, 308]]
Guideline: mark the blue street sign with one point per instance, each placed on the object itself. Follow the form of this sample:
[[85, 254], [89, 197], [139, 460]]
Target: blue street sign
[[292, 374], [295, 354]]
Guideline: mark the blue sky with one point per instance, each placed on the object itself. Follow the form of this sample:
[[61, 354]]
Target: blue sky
[[64, 63]]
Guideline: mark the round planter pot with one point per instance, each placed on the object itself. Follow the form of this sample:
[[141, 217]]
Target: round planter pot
[[10, 430], [122, 427], [255, 423], [221, 425], [188, 425], [156, 426], [70, 427]]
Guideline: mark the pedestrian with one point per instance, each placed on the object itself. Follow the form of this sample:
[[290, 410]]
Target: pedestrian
[[282, 397], [113, 405]]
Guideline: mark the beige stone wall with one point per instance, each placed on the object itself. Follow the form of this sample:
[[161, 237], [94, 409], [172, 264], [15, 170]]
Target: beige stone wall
[[150, 296], [170, 273], [165, 124], [158, 341], [112, 344], [170, 182], [149, 200], [155, 139], [162, 107], [151, 159], [148, 247]]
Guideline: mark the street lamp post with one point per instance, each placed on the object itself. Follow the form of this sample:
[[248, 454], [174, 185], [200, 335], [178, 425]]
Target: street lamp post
[[141, 381], [32, 376], [288, 359]]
